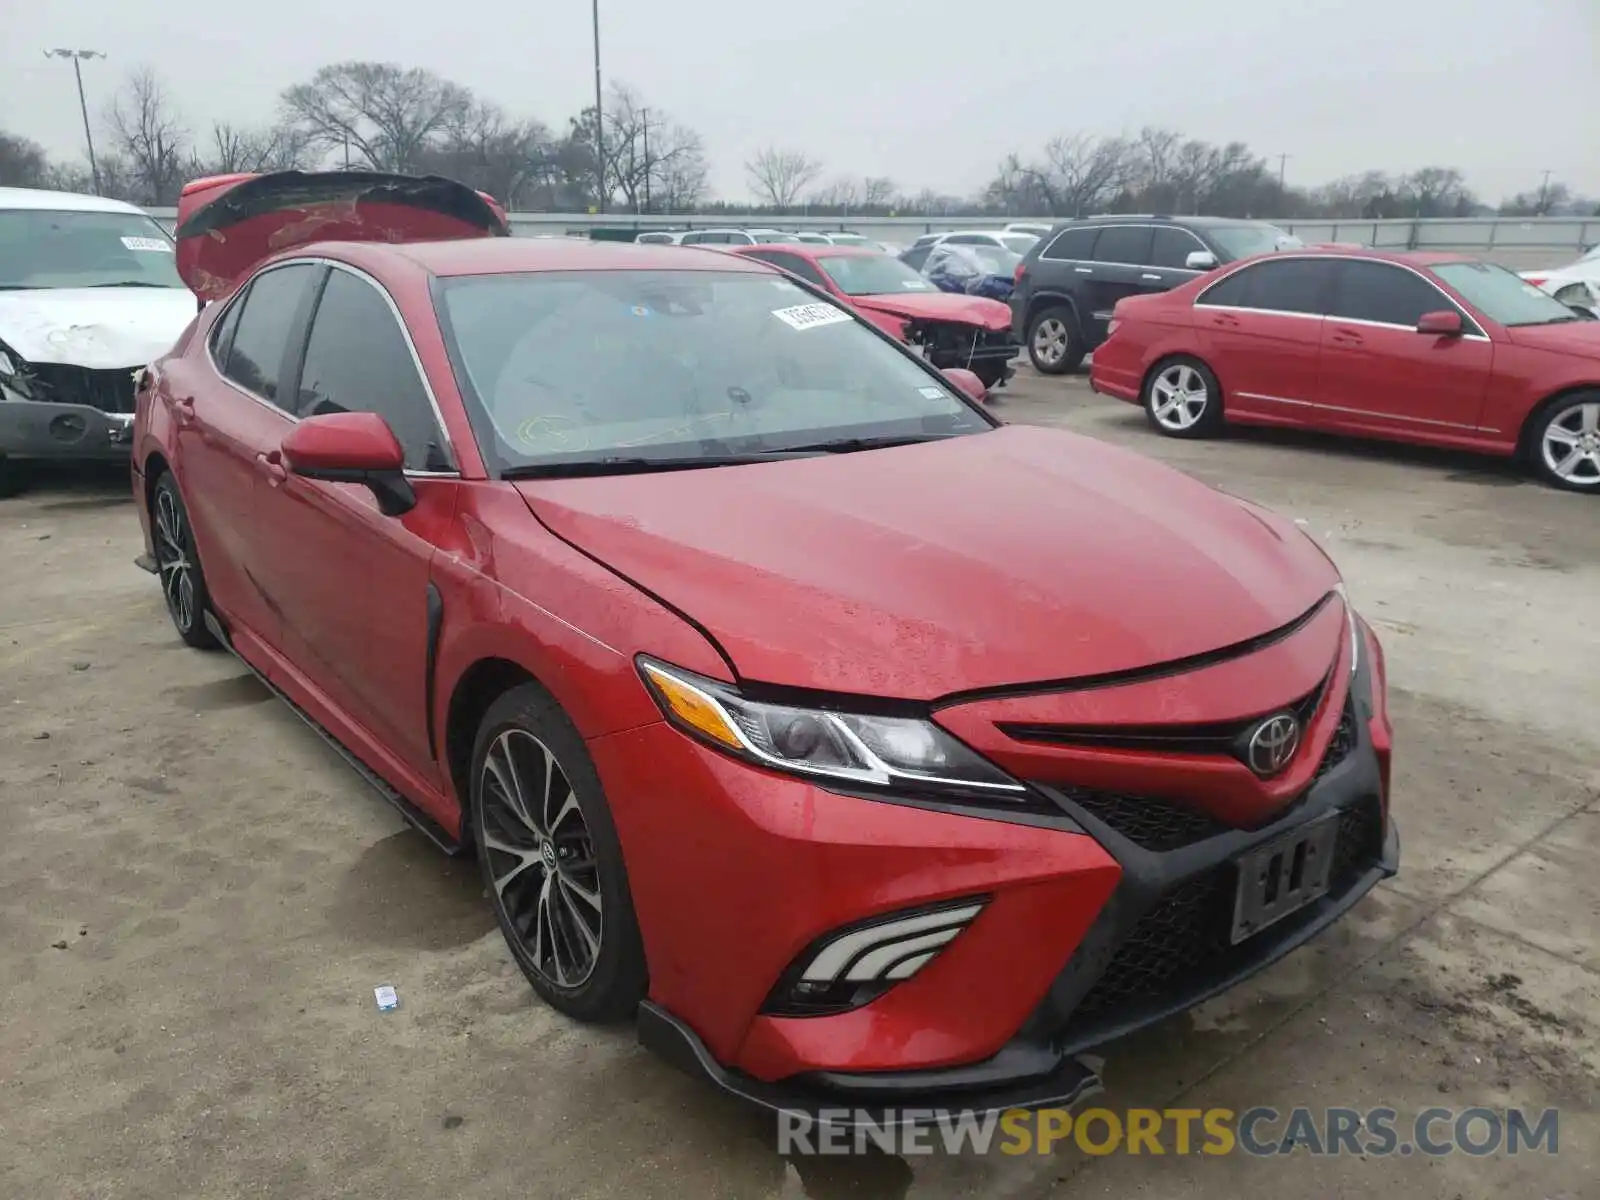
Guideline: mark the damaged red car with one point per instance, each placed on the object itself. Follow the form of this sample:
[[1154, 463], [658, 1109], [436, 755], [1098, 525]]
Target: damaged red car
[[637, 574], [971, 333]]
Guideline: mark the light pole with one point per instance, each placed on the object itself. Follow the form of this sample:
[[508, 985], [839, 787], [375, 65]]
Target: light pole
[[599, 122], [77, 57]]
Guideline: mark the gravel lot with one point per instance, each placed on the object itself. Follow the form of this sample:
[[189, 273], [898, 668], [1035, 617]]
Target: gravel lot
[[197, 898]]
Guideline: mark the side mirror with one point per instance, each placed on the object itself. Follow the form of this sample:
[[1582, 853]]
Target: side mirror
[[968, 384], [352, 447], [1440, 324], [1200, 260]]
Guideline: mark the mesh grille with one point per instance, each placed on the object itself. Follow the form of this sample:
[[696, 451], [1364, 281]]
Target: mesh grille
[[109, 391], [1153, 824]]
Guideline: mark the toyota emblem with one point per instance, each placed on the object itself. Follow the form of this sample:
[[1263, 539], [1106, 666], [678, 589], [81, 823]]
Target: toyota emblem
[[1272, 744]]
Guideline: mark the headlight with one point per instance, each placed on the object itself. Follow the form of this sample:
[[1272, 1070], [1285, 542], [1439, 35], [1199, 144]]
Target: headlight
[[1354, 626], [902, 753]]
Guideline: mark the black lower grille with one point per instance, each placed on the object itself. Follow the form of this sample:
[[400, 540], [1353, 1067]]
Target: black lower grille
[[1145, 821], [110, 391], [1344, 741], [1186, 938]]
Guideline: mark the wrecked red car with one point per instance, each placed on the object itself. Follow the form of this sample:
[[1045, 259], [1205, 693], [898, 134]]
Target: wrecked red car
[[968, 332]]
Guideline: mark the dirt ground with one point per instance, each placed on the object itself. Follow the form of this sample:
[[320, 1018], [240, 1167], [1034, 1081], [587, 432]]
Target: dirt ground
[[197, 899]]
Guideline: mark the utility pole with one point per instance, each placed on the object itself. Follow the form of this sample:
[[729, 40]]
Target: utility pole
[[1283, 161], [77, 57], [599, 121], [1544, 194], [644, 116]]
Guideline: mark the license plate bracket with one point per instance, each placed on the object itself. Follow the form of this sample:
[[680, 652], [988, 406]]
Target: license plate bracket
[[1282, 877]]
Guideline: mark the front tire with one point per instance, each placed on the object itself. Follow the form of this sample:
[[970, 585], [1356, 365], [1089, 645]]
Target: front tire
[[1566, 443], [1055, 343], [552, 862], [183, 584], [1183, 399]]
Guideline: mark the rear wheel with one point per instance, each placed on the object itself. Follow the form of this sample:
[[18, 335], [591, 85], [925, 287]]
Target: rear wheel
[[552, 862], [183, 584], [1182, 398], [1566, 442], [1055, 344]]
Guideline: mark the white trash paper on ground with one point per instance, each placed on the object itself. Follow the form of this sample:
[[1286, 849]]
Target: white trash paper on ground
[[388, 999]]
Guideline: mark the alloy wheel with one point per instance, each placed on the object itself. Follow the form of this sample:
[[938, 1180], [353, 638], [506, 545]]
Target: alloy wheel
[[172, 560], [1178, 397], [1571, 445], [1050, 339], [541, 858]]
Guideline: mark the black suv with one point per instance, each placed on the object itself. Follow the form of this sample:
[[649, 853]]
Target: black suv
[[1073, 277]]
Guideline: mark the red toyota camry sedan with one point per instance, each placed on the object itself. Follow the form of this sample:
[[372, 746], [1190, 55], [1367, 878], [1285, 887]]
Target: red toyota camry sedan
[[637, 572], [1435, 349]]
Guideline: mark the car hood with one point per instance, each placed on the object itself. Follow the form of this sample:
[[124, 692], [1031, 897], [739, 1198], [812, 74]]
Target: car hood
[[1581, 338], [940, 306], [98, 328], [229, 223], [1017, 556]]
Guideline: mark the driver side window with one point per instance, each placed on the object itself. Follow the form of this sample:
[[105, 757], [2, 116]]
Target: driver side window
[[357, 360]]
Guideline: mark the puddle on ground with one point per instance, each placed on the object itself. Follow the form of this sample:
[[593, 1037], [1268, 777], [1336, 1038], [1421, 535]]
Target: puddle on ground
[[402, 892]]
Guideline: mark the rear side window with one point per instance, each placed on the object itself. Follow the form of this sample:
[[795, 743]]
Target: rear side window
[[792, 263], [916, 256], [1075, 244], [1296, 285], [1129, 244], [357, 360], [270, 311], [1373, 291], [1171, 247], [222, 334], [970, 239]]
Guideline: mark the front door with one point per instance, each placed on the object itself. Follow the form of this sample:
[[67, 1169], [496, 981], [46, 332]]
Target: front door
[[1379, 372], [227, 414], [1121, 255], [351, 584]]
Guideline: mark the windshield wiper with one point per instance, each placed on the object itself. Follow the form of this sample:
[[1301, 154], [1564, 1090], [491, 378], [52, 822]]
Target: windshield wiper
[[848, 445], [131, 283], [640, 466]]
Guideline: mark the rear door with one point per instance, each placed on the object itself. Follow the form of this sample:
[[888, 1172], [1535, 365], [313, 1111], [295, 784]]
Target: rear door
[[352, 585], [1377, 368], [1120, 255], [230, 410], [1262, 329]]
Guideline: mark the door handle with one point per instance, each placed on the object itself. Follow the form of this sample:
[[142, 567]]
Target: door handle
[[1151, 278], [1348, 337], [183, 412], [1225, 320], [271, 465], [1084, 270]]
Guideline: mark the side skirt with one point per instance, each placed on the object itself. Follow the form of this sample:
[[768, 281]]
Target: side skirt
[[426, 825]]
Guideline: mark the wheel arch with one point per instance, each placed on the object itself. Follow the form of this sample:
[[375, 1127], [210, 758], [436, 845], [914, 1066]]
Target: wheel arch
[[1524, 449], [478, 687], [1049, 299], [155, 466]]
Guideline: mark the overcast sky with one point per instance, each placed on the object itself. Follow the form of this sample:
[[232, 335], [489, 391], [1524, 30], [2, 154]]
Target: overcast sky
[[930, 92]]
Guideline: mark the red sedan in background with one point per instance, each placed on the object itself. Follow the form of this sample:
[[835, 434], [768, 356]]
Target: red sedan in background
[[1435, 349], [969, 332], [637, 572]]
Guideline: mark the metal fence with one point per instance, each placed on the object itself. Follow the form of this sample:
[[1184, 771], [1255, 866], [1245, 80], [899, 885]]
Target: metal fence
[[1521, 242]]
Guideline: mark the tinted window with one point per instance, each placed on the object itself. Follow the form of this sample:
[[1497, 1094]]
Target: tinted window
[[796, 265], [1371, 291], [1172, 247], [1076, 243], [357, 361], [916, 256], [565, 366], [691, 239], [970, 239], [256, 357], [222, 333], [1124, 244], [1294, 285]]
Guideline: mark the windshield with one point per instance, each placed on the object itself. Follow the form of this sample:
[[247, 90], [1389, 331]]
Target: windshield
[[1020, 243], [872, 274], [849, 239], [766, 238], [1241, 241], [1503, 296], [571, 367], [41, 248]]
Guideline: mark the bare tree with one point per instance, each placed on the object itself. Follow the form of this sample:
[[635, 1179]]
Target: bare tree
[[1436, 192], [23, 163], [485, 148], [385, 115], [878, 191], [238, 149], [146, 132], [778, 177], [1081, 174]]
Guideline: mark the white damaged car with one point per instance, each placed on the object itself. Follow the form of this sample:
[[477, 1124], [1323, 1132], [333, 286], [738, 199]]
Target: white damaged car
[[89, 293]]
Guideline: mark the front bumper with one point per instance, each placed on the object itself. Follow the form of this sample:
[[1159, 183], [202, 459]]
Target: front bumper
[[1086, 936], [47, 430]]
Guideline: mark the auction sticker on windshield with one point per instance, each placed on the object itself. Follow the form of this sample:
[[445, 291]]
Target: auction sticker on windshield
[[809, 316], [155, 245]]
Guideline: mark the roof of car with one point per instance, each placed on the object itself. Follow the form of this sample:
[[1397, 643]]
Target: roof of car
[[495, 256], [811, 250], [1410, 258], [39, 198]]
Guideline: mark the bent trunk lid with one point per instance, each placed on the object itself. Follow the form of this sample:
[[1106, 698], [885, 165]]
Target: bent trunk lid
[[228, 223]]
